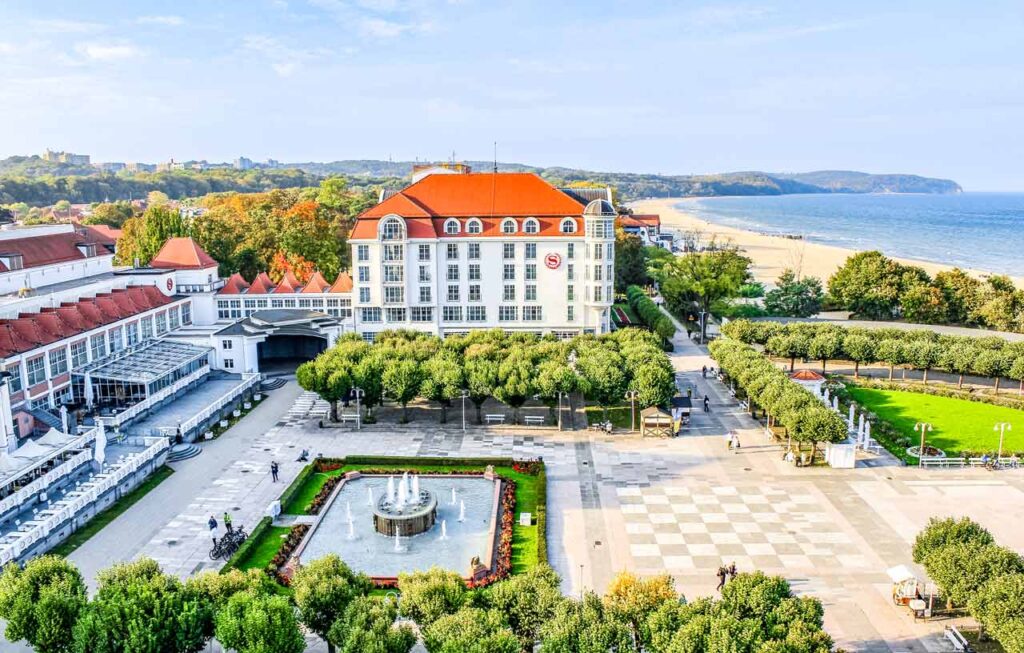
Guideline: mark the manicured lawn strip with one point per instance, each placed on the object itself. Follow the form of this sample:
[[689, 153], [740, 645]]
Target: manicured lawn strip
[[524, 538], [264, 547], [619, 415], [958, 425], [82, 535]]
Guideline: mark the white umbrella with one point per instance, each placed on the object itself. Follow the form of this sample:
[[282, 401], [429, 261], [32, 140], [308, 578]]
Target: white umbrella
[[100, 451], [835, 403], [849, 420], [88, 389], [64, 419]]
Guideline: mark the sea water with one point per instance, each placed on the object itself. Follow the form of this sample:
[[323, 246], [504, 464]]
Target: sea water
[[984, 231]]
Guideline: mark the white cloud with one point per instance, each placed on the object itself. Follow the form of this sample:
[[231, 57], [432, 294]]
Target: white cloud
[[389, 29], [59, 26], [6, 48], [284, 59], [169, 21], [108, 51]]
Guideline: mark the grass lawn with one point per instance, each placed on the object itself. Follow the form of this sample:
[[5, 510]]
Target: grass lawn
[[524, 538], [619, 415], [82, 535], [259, 556], [957, 424]]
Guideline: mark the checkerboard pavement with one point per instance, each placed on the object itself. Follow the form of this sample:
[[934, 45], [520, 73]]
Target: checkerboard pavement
[[699, 525]]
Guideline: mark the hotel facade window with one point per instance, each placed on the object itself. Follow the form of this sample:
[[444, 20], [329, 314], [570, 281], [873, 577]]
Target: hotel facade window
[[474, 293], [508, 226], [79, 354], [363, 253], [58, 361], [395, 314], [453, 293], [474, 272], [531, 250], [508, 250], [508, 293], [364, 295], [98, 345], [424, 294], [453, 273], [474, 251], [474, 226], [451, 227], [451, 314], [36, 371], [476, 313], [531, 226], [424, 252], [507, 314], [533, 313], [509, 272], [453, 251], [424, 273], [422, 314], [531, 292]]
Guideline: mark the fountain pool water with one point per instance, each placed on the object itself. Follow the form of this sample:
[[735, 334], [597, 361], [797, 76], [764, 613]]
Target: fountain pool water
[[451, 544]]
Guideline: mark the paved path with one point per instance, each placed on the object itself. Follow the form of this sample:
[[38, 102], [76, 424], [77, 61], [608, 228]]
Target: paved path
[[618, 502]]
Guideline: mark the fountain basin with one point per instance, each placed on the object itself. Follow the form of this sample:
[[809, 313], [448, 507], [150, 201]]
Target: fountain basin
[[412, 519]]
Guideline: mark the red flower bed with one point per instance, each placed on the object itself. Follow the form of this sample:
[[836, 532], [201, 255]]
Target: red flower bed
[[278, 564], [502, 567], [531, 467], [621, 317], [327, 465], [321, 497]]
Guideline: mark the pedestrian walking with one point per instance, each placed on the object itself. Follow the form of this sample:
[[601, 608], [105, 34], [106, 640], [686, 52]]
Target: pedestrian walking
[[735, 441], [213, 528], [704, 371], [732, 571], [707, 404], [273, 470], [728, 440], [227, 522], [721, 578]]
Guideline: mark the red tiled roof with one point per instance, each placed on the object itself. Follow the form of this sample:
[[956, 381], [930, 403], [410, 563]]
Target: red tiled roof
[[806, 375], [49, 248], [235, 285], [343, 283], [261, 285], [104, 234], [31, 330], [288, 284], [182, 253], [317, 283], [483, 195], [640, 220]]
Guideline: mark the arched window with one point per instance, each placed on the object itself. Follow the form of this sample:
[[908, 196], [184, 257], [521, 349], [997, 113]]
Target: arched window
[[451, 226], [531, 226], [392, 228], [568, 226], [508, 226], [474, 226]]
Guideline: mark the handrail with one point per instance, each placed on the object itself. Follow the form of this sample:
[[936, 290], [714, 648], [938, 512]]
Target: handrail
[[147, 403], [91, 491]]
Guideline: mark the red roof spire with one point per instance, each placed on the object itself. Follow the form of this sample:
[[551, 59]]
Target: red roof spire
[[317, 283], [288, 284], [261, 285], [182, 253]]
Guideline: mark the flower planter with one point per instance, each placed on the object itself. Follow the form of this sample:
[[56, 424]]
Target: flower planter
[[247, 405], [223, 423], [208, 435], [236, 413], [257, 397]]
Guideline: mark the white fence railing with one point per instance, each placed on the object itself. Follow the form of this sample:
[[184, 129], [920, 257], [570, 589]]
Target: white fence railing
[[111, 421], [17, 542], [943, 461], [46, 481], [249, 380]]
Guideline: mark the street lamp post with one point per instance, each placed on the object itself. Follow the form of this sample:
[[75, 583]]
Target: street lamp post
[[631, 396], [1002, 427], [463, 395], [358, 393], [560, 395], [923, 427], [702, 320]]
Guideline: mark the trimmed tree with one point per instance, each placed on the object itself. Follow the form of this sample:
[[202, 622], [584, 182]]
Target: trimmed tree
[[256, 623], [401, 380], [323, 590], [481, 380], [426, 596], [825, 346], [632, 600], [527, 601], [442, 380], [42, 602], [860, 349], [368, 626], [470, 630], [942, 532], [516, 375], [960, 570], [891, 352], [584, 627]]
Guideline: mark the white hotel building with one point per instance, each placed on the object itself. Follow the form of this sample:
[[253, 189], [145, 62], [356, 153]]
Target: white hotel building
[[456, 251]]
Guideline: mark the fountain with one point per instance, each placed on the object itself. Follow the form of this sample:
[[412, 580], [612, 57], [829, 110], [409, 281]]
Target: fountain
[[444, 529], [398, 539], [411, 512], [462, 511], [453, 496], [391, 489], [348, 511], [351, 529]]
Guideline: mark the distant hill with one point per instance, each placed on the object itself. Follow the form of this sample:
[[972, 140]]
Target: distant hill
[[38, 182]]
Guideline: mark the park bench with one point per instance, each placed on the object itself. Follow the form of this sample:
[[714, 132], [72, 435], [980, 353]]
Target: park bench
[[534, 420], [934, 461], [956, 638], [494, 419], [348, 417]]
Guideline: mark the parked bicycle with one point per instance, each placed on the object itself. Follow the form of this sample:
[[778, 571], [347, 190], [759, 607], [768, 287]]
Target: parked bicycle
[[227, 545]]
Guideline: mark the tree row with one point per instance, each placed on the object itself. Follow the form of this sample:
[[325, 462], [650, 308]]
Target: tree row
[[509, 367]]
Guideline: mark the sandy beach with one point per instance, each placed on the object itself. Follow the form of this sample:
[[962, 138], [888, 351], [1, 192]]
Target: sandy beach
[[772, 254]]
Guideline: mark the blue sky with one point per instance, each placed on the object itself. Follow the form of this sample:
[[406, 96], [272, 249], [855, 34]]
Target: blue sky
[[934, 88]]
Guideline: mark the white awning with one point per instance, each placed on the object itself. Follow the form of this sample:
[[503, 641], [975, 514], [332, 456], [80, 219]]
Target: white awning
[[55, 438], [31, 450], [900, 574]]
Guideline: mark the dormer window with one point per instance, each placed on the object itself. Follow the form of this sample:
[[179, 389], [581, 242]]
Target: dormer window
[[474, 226], [88, 250], [568, 226], [392, 228], [531, 226], [451, 227], [508, 226], [12, 261]]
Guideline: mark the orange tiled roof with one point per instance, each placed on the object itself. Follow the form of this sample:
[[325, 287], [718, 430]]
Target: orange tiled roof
[[316, 283], [49, 248], [806, 375], [182, 253], [235, 285], [288, 283], [31, 330], [261, 285], [343, 283], [482, 195], [640, 220]]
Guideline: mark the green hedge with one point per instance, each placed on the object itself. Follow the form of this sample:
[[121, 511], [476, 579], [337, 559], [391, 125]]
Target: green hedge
[[248, 544], [301, 479], [649, 312], [542, 516]]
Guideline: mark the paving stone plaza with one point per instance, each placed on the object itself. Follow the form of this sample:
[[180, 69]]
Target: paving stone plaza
[[617, 502]]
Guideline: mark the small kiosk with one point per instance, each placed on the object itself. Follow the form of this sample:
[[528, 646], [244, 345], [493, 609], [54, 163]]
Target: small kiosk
[[655, 422]]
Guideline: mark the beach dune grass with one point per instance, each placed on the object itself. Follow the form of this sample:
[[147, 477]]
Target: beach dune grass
[[957, 424]]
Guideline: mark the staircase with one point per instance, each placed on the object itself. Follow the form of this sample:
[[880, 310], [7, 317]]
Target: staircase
[[46, 417], [273, 384], [183, 452]]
